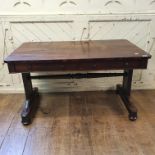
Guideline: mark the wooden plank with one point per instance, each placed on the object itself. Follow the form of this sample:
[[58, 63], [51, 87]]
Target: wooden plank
[[10, 104], [39, 142], [80, 138], [14, 142]]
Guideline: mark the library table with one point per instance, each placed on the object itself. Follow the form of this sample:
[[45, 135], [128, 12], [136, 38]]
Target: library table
[[77, 56]]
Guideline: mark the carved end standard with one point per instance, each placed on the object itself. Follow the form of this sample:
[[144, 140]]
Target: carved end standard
[[132, 110]]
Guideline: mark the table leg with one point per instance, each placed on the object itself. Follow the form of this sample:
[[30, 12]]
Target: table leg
[[124, 91], [30, 94]]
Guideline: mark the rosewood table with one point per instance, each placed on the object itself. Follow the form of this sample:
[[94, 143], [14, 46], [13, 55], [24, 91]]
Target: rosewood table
[[77, 56]]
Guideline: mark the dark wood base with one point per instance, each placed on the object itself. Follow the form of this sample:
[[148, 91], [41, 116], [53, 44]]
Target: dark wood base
[[29, 107], [128, 104], [123, 90]]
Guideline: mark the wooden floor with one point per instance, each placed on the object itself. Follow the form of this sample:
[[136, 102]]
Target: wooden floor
[[84, 123]]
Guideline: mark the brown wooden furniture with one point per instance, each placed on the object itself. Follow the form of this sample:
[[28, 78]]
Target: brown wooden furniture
[[77, 56]]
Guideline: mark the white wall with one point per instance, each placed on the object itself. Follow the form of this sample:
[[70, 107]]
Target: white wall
[[46, 20]]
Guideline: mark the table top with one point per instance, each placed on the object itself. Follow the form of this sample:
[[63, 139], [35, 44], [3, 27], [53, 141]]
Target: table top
[[76, 50]]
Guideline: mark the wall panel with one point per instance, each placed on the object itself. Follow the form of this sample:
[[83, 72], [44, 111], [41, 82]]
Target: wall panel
[[62, 20]]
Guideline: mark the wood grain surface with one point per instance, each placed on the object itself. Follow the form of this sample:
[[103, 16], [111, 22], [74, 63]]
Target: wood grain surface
[[77, 56], [74, 50], [85, 123]]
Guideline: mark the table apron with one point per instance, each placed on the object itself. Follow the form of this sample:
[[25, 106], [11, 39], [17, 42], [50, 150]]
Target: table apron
[[21, 67]]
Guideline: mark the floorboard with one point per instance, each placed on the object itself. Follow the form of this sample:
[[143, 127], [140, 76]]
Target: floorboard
[[85, 123]]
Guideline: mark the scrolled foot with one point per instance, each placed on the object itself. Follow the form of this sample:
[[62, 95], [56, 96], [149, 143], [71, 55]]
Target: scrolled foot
[[25, 116], [26, 121], [133, 116], [30, 108]]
